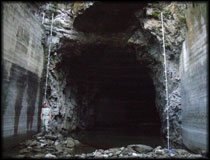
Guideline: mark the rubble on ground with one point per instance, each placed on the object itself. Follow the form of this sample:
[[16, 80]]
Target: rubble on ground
[[51, 146]]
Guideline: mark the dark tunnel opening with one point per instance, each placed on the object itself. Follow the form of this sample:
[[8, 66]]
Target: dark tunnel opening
[[124, 103]]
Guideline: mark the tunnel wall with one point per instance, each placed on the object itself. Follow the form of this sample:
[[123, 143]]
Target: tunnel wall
[[145, 42], [194, 80], [22, 69]]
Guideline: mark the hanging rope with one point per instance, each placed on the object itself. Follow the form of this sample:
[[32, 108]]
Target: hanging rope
[[166, 82], [48, 59]]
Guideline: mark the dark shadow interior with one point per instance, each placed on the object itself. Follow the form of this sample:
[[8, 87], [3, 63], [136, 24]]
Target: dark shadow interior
[[124, 101], [128, 101], [107, 17]]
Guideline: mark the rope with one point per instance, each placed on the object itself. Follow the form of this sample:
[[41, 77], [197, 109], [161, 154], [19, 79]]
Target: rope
[[48, 60], [166, 81]]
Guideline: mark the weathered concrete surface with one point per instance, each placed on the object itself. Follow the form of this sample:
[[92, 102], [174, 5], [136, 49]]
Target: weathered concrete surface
[[194, 80], [22, 63]]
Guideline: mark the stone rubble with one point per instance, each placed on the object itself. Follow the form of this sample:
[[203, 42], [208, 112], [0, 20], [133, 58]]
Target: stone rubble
[[44, 147]]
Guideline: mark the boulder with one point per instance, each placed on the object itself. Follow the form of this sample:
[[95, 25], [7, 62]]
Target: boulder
[[25, 150], [70, 142], [98, 154], [38, 155], [42, 140], [49, 155], [159, 151], [37, 149], [118, 152], [149, 11], [51, 137], [105, 156], [28, 143], [43, 144], [56, 143], [59, 148], [140, 148], [182, 152], [69, 156], [76, 142], [136, 155], [127, 151]]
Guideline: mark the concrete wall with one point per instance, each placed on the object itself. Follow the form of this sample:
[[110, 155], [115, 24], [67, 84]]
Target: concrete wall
[[22, 69], [194, 79]]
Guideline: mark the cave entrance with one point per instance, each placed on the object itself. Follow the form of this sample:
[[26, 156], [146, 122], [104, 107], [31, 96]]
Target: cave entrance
[[120, 98]]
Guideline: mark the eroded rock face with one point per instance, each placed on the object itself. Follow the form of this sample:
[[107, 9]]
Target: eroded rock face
[[174, 24], [142, 36]]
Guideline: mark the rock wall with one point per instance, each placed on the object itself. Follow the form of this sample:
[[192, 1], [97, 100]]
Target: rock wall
[[193, 67], [62, 95], [62, 98], [22, 63], [143, 37], [148, 43]]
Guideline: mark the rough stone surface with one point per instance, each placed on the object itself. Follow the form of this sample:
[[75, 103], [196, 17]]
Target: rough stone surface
[[145, 30], [172, 15]]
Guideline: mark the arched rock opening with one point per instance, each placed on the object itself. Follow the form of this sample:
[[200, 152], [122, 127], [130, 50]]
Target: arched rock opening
[[83, 65], [111, 90]]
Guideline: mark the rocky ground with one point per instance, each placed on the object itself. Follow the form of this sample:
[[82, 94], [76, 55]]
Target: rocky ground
[[50, 146]]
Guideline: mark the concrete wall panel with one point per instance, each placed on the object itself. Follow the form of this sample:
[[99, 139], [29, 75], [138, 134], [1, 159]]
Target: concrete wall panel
[[194, 81], [22, 63]]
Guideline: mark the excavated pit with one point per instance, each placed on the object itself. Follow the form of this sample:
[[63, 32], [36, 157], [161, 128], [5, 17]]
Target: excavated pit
[[115, 97]]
